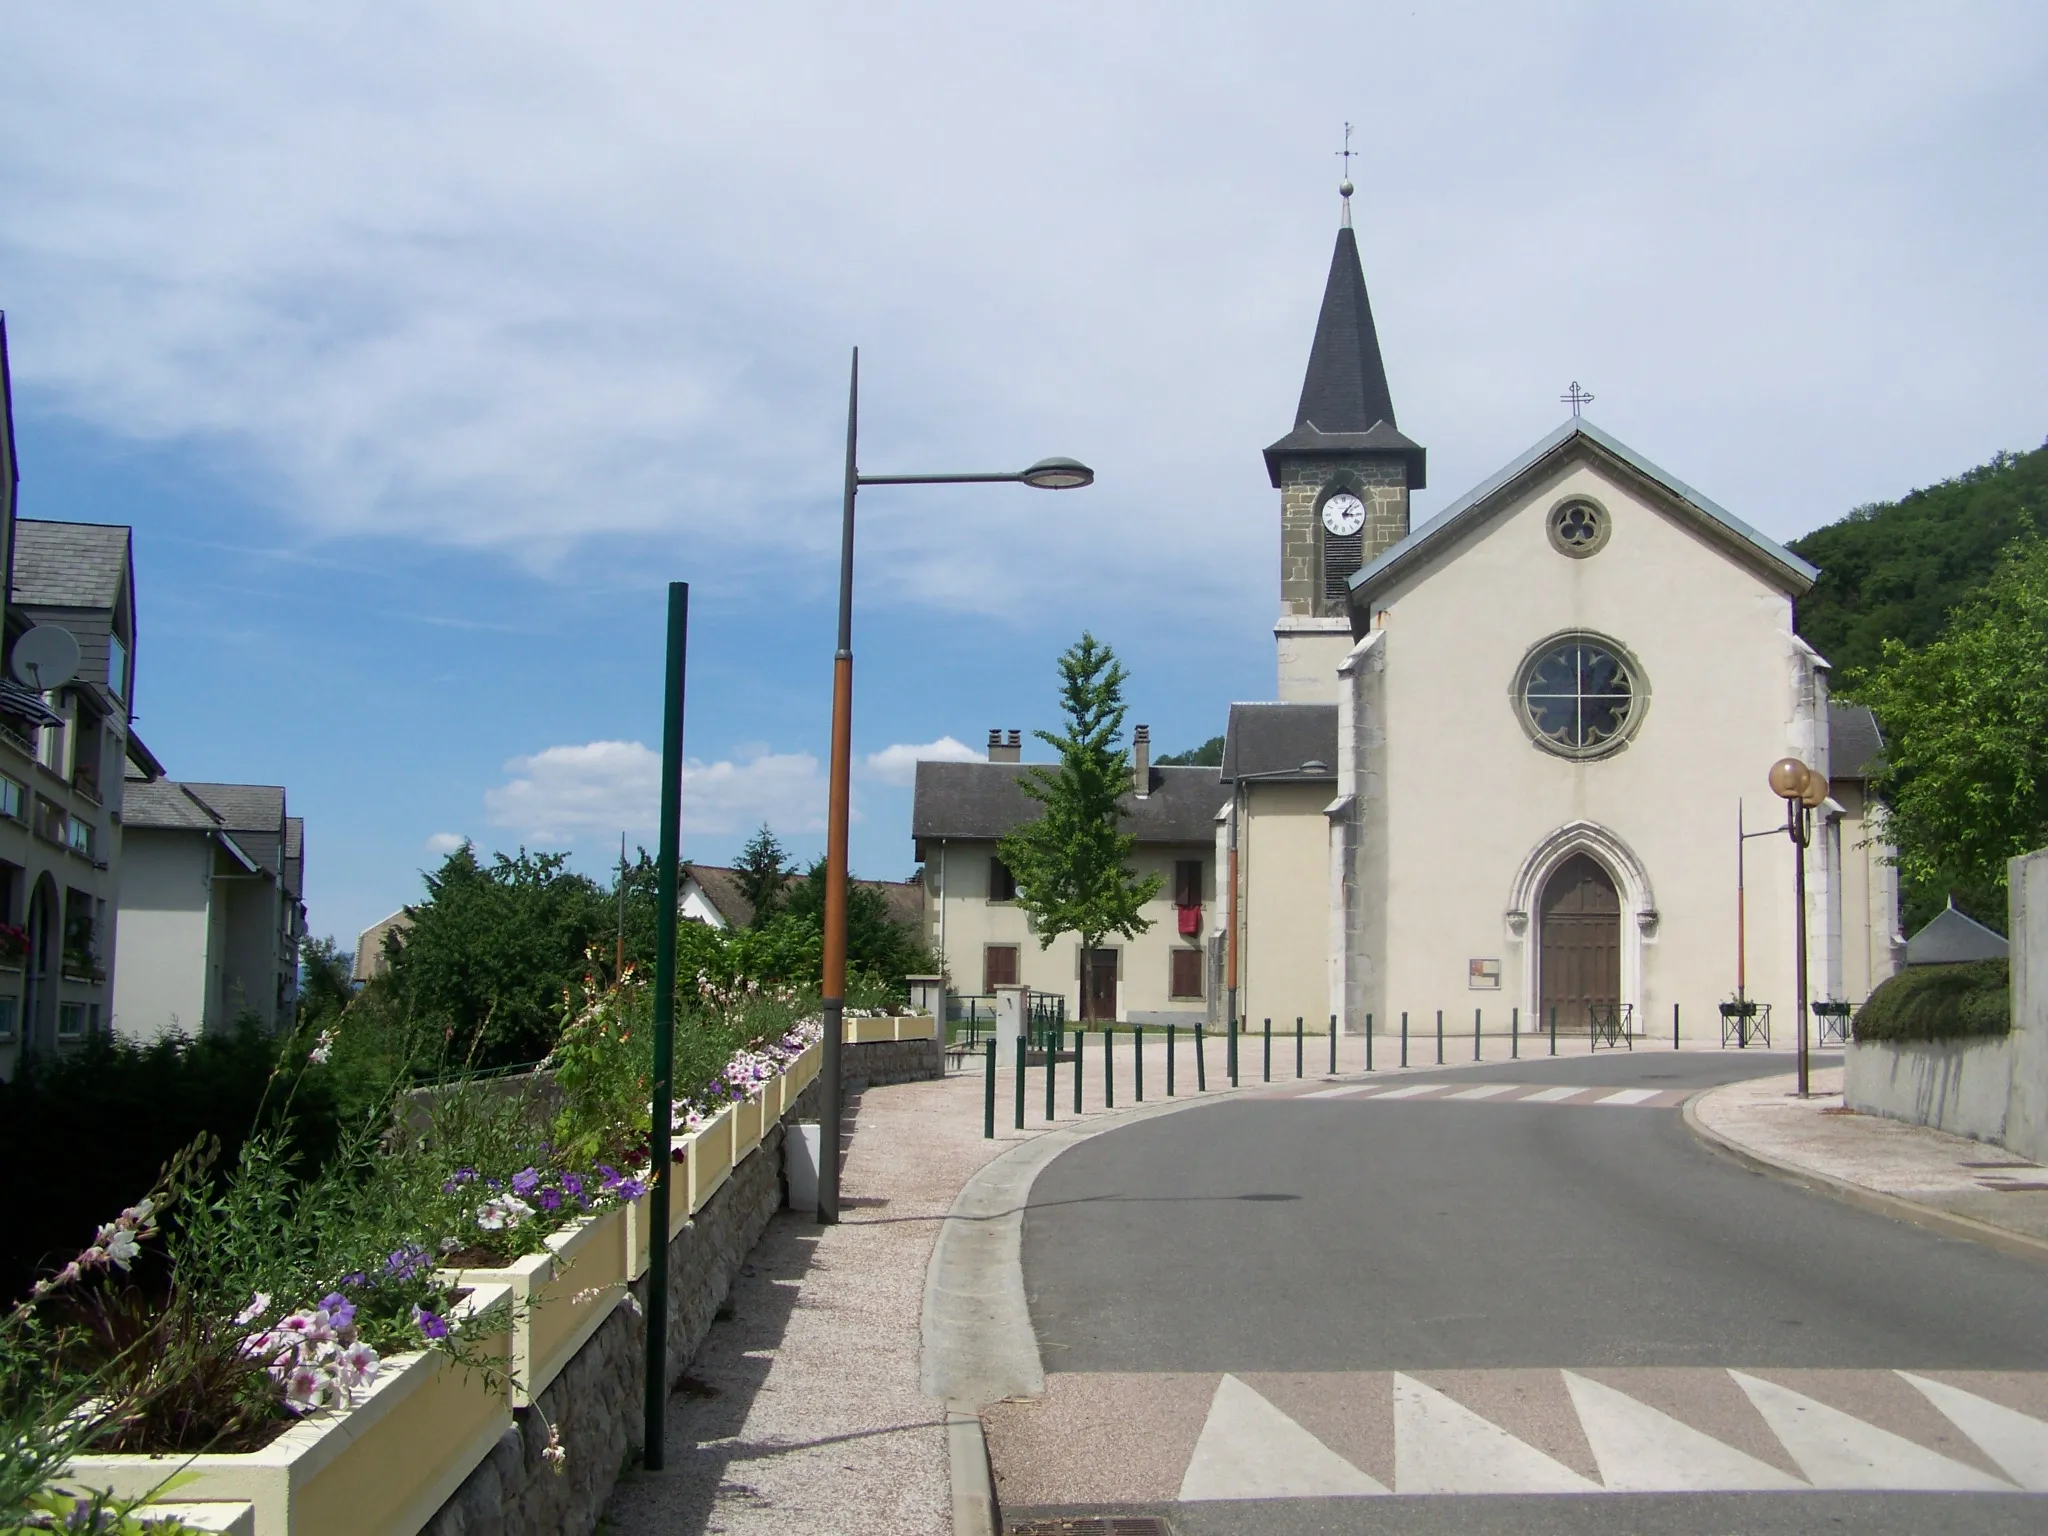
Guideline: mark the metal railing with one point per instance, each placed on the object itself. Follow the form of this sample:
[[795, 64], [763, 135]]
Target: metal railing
[[1831, 1023]]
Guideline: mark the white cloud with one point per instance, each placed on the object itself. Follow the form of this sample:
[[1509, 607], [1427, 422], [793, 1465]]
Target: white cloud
[[445, 843], [566, 793], [897, 764]]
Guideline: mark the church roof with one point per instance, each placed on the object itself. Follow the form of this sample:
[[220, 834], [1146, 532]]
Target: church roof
[[1272, 741], [1953, 938], [1854, 743], [1581, 438], [1346, 406], [982, 801]]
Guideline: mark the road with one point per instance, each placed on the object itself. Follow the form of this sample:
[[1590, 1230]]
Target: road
[[1525, 1309]]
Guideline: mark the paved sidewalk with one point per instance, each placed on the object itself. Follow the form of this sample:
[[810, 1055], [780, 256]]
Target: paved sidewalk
[[1963, 1187]]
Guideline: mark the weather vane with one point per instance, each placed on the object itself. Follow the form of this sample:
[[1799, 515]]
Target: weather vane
[[1344, 187], [1576, 397]]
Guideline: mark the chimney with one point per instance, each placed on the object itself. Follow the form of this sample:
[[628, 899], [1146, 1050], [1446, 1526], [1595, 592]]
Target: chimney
[[1141, 760], [1000, 751]]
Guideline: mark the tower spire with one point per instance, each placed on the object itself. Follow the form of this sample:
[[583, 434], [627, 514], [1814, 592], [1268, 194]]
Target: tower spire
[[1344, 187]]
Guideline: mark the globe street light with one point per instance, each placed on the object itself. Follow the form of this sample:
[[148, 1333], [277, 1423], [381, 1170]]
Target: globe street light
[[1046, 475], [1314, 768], [1804, 791]]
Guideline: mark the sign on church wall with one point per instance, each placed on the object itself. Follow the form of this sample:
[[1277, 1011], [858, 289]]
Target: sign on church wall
[[1483, 975]]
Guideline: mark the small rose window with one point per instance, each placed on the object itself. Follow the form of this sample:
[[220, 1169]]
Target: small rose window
[[1578, 528]]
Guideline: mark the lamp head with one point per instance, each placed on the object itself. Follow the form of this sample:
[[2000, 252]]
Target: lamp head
[[1058, 475], [1315, 767], [1788, 778], [1816, 792]]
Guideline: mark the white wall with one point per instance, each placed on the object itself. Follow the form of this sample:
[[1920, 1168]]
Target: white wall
[[1284, 941], [160, 983], [1958, 1086]]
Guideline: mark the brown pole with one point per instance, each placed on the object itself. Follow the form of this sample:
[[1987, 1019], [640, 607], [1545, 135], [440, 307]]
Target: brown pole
[[1795, 816], [832, 983]]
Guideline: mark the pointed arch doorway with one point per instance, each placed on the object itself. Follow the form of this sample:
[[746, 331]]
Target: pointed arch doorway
[[1578, 943]]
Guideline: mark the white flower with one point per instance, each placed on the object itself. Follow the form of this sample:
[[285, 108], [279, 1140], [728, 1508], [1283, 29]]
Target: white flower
[[259, 1303], [120, 1244], [322, 1048], [307, 1388], [357, 1366], [554, 1454], [502, 1212]]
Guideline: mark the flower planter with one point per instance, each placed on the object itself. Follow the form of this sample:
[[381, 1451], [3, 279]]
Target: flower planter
[[804, 1069], [747, 1124], [386, 1465], [711, 1160], [549, 1324]]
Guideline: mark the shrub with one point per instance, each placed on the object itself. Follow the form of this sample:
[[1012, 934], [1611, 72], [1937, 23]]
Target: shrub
[[1939, 1002]]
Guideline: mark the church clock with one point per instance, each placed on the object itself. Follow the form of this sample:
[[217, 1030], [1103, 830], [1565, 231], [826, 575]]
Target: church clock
[[1343, 514]]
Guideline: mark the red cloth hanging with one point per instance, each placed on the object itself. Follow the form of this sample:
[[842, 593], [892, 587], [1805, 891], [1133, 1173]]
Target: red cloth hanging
[[1190, 921]]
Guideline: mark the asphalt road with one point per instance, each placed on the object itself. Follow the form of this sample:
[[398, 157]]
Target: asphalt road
[[1344, 1238]]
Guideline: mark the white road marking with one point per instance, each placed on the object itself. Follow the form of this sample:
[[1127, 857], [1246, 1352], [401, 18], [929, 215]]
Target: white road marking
[[1552, 1095], [1412, 1091], [1837, 1451], [2018, 1442], [1441, 1446], [1337, 1093], [1628, 1096], [1487, 1092], [1642, 1450], [1251, 1450]]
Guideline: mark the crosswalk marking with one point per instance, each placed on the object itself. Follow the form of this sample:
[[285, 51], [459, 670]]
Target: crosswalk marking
[[1629, 1096], [1339, 1093], [1554, 1095], [1641, 1450], [1492, 1090], [1251, 1450], [2018, 1444], [1412, 1091], [1835, 1450], [1441, 1446], [1440, 1092]]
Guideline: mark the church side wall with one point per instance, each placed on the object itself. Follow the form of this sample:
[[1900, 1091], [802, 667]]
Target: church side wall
[[1471, 798], [1283, 860]]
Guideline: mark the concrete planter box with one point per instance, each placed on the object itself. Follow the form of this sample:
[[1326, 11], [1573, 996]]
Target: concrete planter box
[[548, 1324], [1959, 1086], [747, 1119], [902, 1027], [711, 1160], [386, 1465]]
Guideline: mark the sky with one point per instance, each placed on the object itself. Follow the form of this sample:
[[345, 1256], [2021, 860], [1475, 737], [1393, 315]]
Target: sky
[[423, 345]]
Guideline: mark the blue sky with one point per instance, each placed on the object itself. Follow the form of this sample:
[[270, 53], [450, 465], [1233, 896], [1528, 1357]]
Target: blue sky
[[422, 345]]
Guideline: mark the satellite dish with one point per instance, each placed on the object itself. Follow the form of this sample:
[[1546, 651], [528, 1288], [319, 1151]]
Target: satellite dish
[[46, 657]]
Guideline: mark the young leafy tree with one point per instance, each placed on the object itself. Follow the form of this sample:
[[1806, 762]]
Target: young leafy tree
[[1072, 863], [761, 874], [1965, 717]]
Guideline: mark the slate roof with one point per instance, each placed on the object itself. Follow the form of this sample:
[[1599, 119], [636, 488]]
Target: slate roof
[[1346, 406], [69, 565], [1953, 938], [165, 805], [1581, 436], [252, 813], [1854, 742], [982, 801], [1274, 740], [721, 887]]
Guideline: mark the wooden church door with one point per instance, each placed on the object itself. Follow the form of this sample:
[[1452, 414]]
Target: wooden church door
[[1580, 962]]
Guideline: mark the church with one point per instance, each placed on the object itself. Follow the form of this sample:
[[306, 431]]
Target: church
[[1518, 759]]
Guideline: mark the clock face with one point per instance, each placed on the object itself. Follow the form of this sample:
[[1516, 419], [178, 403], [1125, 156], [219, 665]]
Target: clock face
[[1344, 514]]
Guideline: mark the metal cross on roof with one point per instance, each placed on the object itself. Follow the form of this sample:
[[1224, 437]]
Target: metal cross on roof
[[1576, 397], [1346, 152]]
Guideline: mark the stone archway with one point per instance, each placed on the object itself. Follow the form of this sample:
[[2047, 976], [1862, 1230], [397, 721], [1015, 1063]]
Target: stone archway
[[1635, 917]]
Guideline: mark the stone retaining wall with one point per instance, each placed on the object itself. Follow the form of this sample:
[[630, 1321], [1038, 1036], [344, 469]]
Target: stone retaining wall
[[1958, 1086], [597, 1402]]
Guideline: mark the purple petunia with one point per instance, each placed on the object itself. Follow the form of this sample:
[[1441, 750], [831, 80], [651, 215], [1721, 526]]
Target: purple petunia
[[550, 1198], [406, 1262], [431, 1324], [340, 1310], [525, 1182]]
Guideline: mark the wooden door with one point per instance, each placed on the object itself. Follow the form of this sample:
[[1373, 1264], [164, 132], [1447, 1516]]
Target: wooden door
[[1580, 962], [1098, 992]]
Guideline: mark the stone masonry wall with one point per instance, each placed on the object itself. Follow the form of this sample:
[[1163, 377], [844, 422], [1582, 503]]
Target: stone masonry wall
[[1381, 483], [596, 1403]]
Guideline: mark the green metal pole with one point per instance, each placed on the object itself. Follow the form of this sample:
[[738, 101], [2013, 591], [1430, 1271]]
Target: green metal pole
[[1268, 1065], [1368, 1042], [661, 1114], [1230, 1053], [1674, 1026], [1108, 1069], [1475, 1034], [1020, 1077], [1404, 1037], [1333, 1045], [1297, 1046], [1052, 1056], [1079, 1057], [1439, 1037], [1515, 1032], [1169, 1060], [1201, 1064], [1138, 1063], [988, 1094], [1553, 1029]]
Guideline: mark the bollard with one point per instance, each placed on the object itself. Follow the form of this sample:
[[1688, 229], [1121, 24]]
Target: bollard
[[1553, 1029], [1108, 1069], [1020, 1080], [1137, 1063], [1169, 1060], [1201, 1064], [1333, 1045], [1268, 1065], [988, 1095], [1052, 1056], [1080, 1039], [1674, 1026], [1475, 1034], [1515, 1033], [1404, 1037], [1439, 1037], [1230, 1053], [1368, 1042], [1297, 1045]]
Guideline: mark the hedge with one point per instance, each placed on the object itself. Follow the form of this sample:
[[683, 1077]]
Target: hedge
[[1940, 1002]]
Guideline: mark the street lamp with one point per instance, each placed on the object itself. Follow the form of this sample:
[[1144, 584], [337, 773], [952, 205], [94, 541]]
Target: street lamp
[[1314, 768], [1804, 791], [1046, 475]]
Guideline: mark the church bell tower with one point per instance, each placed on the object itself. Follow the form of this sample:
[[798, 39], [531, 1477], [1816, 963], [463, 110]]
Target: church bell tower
[[1344, 474]]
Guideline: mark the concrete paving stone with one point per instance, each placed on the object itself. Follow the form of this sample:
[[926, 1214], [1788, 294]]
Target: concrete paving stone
[[1532, 1405], [1706, 1400], [1104, 1436], [1352, 1412], [1891, 1403]]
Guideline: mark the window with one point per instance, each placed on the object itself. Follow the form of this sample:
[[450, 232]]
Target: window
[[1187, 882], [1579, 696], [1185, 979], [86, 752], [81, 838], [117, 668], [52, 825], [1578, 528], [1002, 885], [998, 966], [71, 1021], [10, 1011], [13, 799]]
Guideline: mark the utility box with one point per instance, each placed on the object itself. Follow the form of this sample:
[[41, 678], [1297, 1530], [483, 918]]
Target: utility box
[[800, 1143], [1013, 1019]]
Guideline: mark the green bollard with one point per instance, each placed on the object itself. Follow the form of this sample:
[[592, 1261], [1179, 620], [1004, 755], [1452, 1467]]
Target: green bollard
[[1230, 1053], [1553, 1029], [1169, 1060], [1020, 1080], [1137, 1063], [1268, 1066], [1439, 1037], [1475, 1034], [1674, 1026], [1297, 1045], [1108, 1069], [1201, 1063], [988, 1095], [1515, 1033], [1079, 1057], [1333, 1045], [1052, 1056], [1404, 1037], [1368, 1042]]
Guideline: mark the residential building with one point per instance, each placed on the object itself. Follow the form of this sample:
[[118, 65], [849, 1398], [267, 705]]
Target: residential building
[[212, 908], [373, 958], [711, 895]]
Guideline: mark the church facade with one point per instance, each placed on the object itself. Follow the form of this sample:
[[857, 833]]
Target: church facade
[[1515, 748]]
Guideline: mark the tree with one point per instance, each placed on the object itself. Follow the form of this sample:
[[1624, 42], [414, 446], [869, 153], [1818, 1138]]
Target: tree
[[1965, 773], [876, 944], [761, 874], [1208, 755], [327, 982], [1072, 863]]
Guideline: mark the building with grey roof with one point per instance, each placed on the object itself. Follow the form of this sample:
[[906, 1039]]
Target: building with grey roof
[[1955, 938]]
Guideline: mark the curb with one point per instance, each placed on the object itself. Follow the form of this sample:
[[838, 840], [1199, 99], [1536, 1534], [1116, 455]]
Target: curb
[[974, 1486], [1876, 1201]]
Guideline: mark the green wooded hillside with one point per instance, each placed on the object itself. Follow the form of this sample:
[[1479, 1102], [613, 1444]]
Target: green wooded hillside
[[1895, 569]]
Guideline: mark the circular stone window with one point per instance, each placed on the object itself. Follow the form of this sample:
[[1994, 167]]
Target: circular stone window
[[1578, 527], [1580, 695]]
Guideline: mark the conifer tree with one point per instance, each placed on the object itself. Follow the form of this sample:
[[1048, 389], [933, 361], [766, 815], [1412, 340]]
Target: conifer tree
[[1073, 863], [762, 872]]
